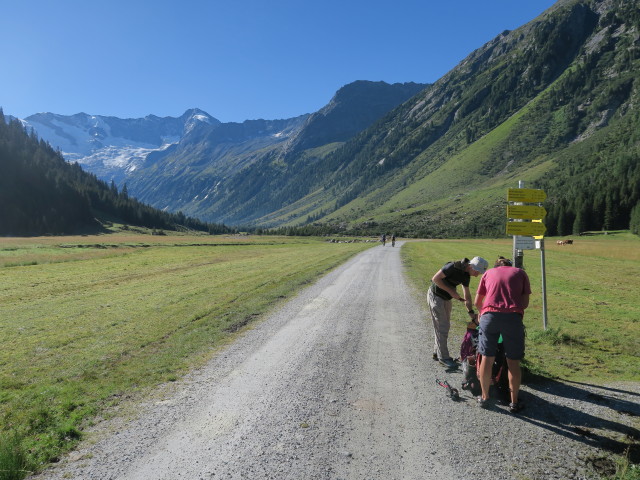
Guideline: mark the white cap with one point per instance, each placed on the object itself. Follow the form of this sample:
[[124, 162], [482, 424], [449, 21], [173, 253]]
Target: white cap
[[479, 264]]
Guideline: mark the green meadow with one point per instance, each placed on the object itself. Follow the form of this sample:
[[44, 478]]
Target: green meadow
[[593, 302], [89, 321], [593, 309]]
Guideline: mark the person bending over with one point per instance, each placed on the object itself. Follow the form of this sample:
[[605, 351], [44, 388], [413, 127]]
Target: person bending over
[[442, 290]]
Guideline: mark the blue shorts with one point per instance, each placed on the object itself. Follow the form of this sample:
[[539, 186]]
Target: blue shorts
[[510, 326]]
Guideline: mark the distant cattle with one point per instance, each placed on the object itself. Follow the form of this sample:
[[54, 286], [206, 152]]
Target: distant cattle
[[565, 242]]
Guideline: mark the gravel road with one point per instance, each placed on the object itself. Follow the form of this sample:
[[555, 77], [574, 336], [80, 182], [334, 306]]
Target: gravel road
[[340, 384]]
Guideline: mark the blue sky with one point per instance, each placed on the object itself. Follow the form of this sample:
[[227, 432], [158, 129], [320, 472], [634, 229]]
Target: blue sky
[[235, 59]]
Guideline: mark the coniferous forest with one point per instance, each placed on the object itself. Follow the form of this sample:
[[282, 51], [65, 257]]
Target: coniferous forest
[[42, 194]]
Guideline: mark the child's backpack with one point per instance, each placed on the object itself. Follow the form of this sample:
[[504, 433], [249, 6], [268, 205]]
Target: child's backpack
[[468, 350], [471, 361], [469, 344]]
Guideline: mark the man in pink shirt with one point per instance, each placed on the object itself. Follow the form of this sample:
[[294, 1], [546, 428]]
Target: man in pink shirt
[[501, 298]]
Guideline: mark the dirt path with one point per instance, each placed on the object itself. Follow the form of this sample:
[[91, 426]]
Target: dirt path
[[340, 384]]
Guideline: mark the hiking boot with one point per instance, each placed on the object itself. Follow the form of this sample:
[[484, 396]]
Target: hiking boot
[[516, 407], [482, 403], [448, 362]]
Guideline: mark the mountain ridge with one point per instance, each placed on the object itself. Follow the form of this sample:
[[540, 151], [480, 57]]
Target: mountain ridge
[[110, 146], [183, 172], [553, 103], [478, 97]]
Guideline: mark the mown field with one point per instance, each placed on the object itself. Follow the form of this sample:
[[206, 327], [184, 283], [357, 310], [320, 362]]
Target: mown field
[[593, 302], [88, 321]]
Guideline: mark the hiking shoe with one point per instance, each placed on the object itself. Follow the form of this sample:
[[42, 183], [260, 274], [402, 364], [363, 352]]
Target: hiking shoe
[[482, 403], [449, 363], [516, 407]]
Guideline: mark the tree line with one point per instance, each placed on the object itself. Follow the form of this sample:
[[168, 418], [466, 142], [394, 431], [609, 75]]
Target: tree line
[[42, 194]]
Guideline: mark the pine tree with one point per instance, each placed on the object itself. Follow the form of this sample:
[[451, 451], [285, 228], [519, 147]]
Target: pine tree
[[580, 222], [609, 214], [634, 221], [561, 224]]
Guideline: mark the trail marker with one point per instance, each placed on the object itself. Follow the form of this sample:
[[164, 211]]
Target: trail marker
[[526, 228], [526, 212], [526, 195]]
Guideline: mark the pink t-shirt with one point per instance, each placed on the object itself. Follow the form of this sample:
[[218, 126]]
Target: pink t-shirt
[[502, 288]]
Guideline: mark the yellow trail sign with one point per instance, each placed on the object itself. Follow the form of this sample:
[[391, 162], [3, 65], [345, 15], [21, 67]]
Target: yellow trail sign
[[527, 212], [526, 195], [538, 237], [526, 228]]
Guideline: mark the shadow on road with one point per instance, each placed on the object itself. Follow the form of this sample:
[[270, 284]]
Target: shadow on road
[[595, 415]]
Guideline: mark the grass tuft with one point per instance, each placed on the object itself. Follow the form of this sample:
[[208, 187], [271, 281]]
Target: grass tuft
[[553, 336], [624, 468], [14, 461]]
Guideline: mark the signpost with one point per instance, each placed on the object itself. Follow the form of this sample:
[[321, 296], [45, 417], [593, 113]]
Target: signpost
[[525, 243], [524, 222], [526, 228], [526, 212], [526, 195]]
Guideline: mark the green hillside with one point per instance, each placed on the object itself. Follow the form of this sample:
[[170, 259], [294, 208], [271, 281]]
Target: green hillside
[[553, 103]]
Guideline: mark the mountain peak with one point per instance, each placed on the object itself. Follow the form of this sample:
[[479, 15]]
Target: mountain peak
[[353, 108], [194, 117], [197, 114]]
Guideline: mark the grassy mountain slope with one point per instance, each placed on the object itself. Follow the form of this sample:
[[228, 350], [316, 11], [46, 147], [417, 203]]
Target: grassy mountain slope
[[550, 103]]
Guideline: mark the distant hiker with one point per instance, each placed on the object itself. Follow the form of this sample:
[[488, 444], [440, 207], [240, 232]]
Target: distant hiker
[[501, 298], [442, 290], [393, 240], [383, 239]]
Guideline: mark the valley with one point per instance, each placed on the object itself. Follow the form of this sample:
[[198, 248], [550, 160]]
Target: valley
[[552, 103], [185, 297], [334, 380]]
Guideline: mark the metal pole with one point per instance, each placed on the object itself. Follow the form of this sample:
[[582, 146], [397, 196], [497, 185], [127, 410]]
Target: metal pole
[[544, 285]]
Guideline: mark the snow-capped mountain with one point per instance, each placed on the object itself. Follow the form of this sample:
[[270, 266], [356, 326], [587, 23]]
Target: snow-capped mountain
[[219, 172], [111, 147]]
